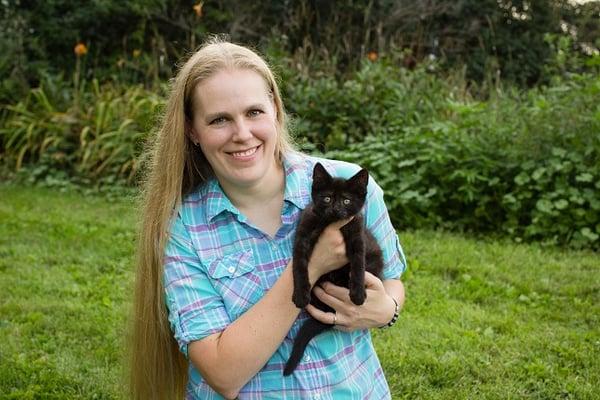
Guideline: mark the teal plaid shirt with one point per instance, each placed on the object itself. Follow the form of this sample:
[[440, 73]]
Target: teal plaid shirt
[[217, 265]]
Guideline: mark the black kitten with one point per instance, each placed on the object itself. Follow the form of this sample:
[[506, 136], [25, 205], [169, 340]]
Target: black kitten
[[333, 199]]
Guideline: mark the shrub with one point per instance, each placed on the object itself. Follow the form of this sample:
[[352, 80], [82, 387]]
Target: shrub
[[93, 134], [527, 165], [378, 99], [520, 163]]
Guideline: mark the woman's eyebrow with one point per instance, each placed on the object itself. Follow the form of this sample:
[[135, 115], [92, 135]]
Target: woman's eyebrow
[[254, 106], [213, 116]]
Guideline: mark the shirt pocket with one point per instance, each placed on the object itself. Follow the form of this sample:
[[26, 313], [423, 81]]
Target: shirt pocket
[[236, 279]]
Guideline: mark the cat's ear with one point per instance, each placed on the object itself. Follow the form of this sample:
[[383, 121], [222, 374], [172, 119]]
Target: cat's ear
[[360, 180], [320, 175]]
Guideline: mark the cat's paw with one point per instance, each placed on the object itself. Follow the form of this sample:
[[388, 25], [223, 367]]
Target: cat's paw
[[301, 299], [358, 296]]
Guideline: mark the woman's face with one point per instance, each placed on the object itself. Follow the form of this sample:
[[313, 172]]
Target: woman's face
[[235, 124]]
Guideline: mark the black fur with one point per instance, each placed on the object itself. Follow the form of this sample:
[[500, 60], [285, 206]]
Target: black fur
[[346, 199]]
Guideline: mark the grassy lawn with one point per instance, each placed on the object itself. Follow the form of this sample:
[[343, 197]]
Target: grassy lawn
[[484, 319]]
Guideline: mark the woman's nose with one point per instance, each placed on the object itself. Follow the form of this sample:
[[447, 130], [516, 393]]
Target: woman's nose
[[242, 131]]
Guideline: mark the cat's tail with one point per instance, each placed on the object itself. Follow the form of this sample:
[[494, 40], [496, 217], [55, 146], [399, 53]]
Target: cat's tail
[[308, 330]]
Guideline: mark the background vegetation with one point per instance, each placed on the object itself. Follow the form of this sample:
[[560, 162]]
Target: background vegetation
[[147, 37], [474, 116]]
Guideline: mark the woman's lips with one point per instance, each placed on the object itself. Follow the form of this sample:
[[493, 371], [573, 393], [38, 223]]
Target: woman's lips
[[246, 154]]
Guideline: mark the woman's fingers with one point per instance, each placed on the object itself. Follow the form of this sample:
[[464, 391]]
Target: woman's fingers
[[349, 316], [321, 316], [340, 223], [328, 317], [372, 282], [331, 300], [329, 252], [339, 292]]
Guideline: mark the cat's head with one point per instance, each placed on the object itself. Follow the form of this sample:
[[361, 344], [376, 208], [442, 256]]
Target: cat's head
[[338, 198]]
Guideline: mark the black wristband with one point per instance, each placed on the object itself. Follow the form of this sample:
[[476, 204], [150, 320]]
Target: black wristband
[[395, 317]]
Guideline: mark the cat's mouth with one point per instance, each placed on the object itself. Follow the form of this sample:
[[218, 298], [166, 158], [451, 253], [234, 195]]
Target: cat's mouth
[[335, 215]]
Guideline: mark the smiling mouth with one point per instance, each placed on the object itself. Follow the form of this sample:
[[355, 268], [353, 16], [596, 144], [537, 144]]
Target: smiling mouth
[[245, 153]]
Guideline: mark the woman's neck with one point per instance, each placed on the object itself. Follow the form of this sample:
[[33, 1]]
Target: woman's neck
[[262, 202], [265, 192]]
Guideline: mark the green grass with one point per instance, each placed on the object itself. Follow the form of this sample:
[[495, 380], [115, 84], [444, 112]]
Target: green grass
[[483, 319], [65, 284]]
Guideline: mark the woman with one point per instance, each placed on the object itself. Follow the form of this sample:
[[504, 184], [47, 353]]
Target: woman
[[214, 316]]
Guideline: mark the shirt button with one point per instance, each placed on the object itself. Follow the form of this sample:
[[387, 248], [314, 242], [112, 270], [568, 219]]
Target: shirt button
[[307, 358], [317, 396], [231, 270]]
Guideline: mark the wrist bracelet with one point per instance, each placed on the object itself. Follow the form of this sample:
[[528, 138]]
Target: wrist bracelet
[[395, 317]]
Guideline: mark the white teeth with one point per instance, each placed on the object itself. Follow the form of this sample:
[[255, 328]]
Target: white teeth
[[246, 153]]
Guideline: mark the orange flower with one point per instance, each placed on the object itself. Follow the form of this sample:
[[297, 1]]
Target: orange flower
[[372, 56], [80, 49], [198, 8]]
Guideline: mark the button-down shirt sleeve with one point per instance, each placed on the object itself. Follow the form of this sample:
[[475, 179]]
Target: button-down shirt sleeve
[[378, 222], [196, 310]]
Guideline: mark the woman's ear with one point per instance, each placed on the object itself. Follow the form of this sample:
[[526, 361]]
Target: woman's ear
[[190, 132]]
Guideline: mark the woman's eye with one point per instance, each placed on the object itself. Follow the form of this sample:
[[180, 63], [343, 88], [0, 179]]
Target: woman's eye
[[218, 121], [254, 113], [327, 199], [346, 201]]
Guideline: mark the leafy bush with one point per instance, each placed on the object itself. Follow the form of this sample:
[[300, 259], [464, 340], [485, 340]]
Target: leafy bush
[[148, 37], [91, 133], [525, 165], [378, 99]]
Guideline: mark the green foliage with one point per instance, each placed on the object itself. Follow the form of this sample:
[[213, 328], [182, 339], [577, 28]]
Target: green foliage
[[519, 163], [378, 99], [92, 132], [483, 319], [147, 38], [526, 164]]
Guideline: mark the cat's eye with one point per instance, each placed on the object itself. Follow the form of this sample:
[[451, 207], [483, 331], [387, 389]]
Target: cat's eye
[[346, 201], [327, 199]]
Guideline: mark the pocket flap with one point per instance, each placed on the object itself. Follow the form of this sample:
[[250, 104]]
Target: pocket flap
[[232, 265]]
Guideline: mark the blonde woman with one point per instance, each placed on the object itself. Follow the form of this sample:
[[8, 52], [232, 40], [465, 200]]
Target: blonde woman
[[214, 316]]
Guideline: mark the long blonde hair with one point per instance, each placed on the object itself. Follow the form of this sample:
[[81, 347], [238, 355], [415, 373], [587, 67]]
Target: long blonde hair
[[157, 369]]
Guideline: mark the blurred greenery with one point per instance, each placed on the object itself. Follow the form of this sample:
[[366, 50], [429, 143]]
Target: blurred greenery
[[524, 163], [478, 116], [96, 138], [147, 37]]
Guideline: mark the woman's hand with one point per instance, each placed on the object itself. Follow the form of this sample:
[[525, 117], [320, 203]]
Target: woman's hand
[[329, 252], [377, 310]]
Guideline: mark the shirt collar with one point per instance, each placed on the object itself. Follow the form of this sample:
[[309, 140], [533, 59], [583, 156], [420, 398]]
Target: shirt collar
[[297, 179], [216, 200], [296, 188]]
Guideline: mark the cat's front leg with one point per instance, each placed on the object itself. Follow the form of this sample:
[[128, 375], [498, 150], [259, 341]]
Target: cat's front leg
[[355, 250], [303, 248], [358, 293]]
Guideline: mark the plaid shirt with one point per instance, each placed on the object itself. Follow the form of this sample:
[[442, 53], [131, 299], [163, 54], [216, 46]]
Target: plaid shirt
[[217, 265]]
